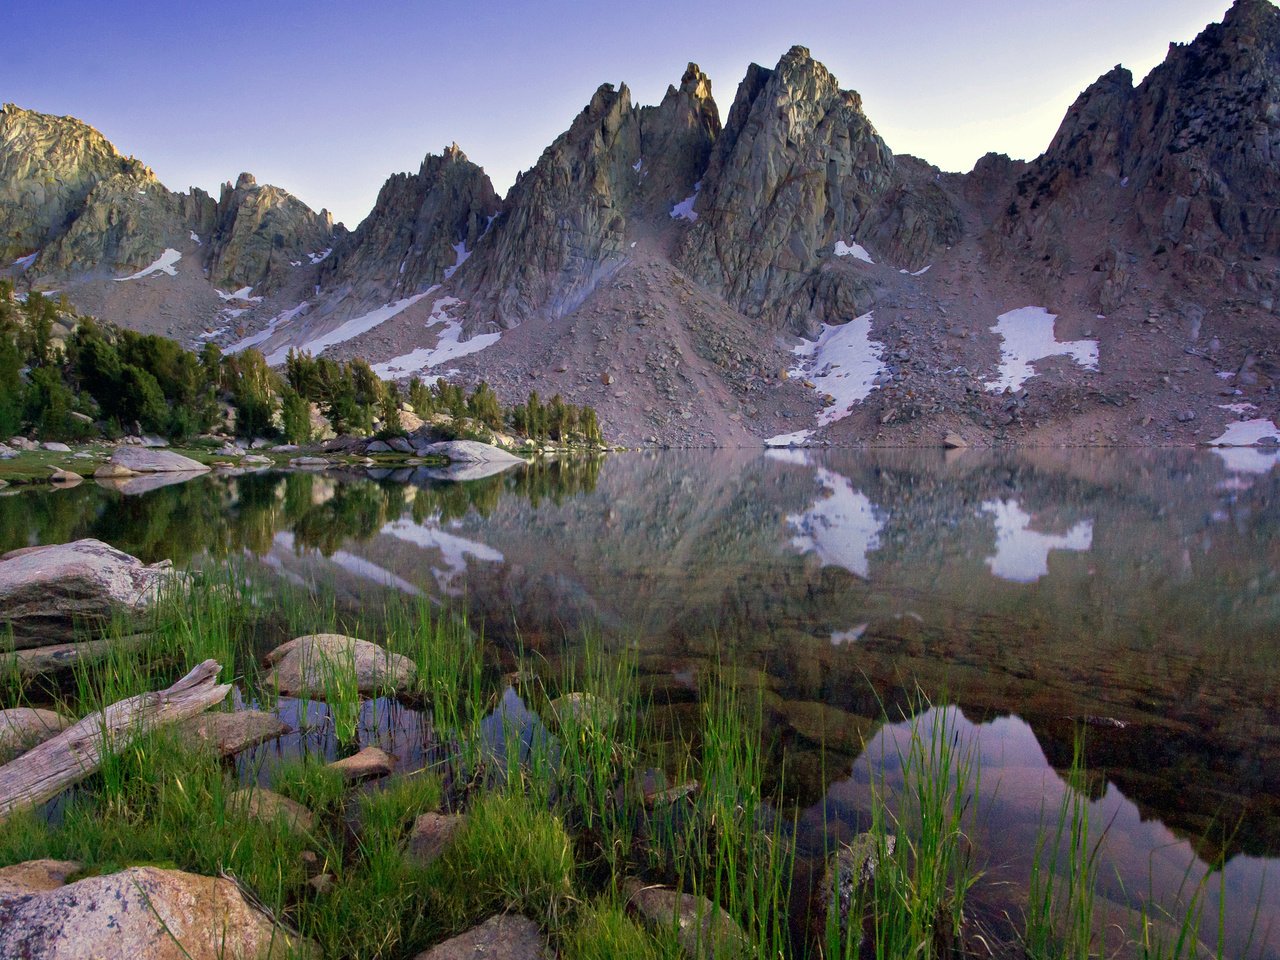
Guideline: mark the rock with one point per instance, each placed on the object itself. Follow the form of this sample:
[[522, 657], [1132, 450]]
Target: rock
[[45, 592], [269, 806], [431, 834], [377, 446], [583, 708], [7, 452], [35, 876], [112, 471], [64, 478], [21, 728], [232, 733], [1185, 416], [54, 447], [953, 441], [850, 869], [703, 931], [142, 913], [22, 443], [255, 460], [468, 452], [504, 937], [400, 445], [299, 666], [149, 460], [308, 462], [367, 764]]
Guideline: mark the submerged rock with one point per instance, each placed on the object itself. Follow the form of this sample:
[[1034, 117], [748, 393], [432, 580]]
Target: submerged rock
[[142, 913], [152, 460], [22, 728], [510, 937], [46, 592], [231, 733], [302, 666], [703, 930]]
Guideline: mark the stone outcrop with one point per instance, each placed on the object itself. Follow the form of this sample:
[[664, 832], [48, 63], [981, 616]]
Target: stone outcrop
[[798, 168], [302, 665], [150, 460], [422, 228], [563, 226], [142, 913], [1182, 166], [46, 593]]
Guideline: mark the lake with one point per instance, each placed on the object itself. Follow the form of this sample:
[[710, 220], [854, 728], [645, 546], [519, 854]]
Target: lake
[[1020, 597]]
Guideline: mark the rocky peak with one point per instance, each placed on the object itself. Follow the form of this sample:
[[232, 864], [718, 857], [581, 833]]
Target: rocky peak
[[422, 228], [797, 168], [245, 181]]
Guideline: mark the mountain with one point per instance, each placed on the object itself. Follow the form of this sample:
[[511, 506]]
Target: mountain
[[784, 276]]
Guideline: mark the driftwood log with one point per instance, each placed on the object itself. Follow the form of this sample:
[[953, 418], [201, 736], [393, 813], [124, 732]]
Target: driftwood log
[[63, 657], [46, 770]]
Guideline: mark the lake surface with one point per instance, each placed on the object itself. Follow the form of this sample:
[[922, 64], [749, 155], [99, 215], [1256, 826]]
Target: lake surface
[[1137, 592]]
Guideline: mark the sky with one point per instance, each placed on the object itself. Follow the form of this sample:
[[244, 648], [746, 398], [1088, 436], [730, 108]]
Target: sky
[[327, 99]]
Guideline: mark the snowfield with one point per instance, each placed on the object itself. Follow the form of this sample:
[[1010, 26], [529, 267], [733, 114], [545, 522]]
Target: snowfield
[[268, 331], [1027, 335], [448, 346], [684, 209], [354, 327], [851, 249], [844, 362], [1247, 433], [165, 263]]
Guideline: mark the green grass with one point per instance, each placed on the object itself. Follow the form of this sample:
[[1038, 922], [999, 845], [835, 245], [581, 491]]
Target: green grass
[[603, 931], [309, 781]]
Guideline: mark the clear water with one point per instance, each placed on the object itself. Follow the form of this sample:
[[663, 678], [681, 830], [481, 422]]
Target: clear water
[[1024, 592]]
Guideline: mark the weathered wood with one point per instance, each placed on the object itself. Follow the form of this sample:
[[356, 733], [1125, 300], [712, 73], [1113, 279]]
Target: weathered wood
[[45, 771], [62, 657]]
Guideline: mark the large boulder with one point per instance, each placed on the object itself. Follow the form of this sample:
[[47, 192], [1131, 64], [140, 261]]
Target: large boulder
[[153, 460], [703, 930], [142, 913], [468, 452], [302, 666], [508, 937], [46, 592], [22, 728]]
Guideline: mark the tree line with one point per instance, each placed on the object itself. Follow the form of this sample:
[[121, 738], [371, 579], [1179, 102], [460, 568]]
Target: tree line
[[98, 379]]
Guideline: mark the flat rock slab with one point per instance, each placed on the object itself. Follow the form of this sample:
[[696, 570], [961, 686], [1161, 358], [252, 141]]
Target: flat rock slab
[[468, 451], [431, 835], [268, 806], [367, 764], [112, 471], [231, 733], [510, 937], [36, 876], [21, 728], [300, 666], [703, 931], [45, 592], [142, 913], [150, 460]]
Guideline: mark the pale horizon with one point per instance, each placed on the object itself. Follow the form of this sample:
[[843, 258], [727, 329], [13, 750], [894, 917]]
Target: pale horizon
[[328, 105]]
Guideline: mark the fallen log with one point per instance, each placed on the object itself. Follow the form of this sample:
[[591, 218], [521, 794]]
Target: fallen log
[[63, 657], [46, 770]]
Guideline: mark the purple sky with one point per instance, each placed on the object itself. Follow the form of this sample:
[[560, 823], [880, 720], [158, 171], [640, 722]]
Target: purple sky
[[327, 98]]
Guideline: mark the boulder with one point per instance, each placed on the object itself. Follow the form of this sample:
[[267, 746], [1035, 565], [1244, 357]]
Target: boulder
[[299, 666], [21, 728], [142, 913], [504, 937], [152, 460], [45, 592], [954, 441], [431, 834], [851, 869], [7, 452], [64, 478], [378, 446], [54, 447], [468, 451], [400, 445], [367, 764], [268, 806], [232, 733], [112, 471], [36, 876], [703, 930], [308, 462]]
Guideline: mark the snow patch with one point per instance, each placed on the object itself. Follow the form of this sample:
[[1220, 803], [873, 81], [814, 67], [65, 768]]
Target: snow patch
[[1247, 433], [1240, 408], [684, 209], [841, 528], [637, 165], [843, 362], [852, 635], [923, 270], [1027, 335], [851, 249], [268, 331], [195, 238], [164, 263], [1022, 554], [318, 257], [789, 439], [462, 253], [448, 345], [23, 262], [244, 293], [353, 327]]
